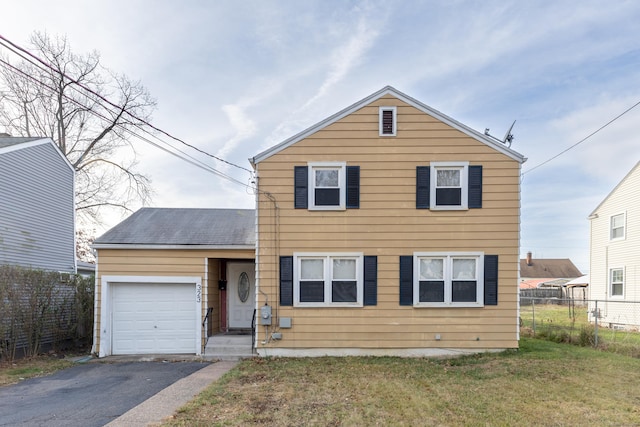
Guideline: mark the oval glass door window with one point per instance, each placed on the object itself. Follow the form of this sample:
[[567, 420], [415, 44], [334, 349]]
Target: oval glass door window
[[244, 286]]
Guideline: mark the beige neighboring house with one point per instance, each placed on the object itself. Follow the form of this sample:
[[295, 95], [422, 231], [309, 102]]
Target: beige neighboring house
[[387, 229], [615, 255]]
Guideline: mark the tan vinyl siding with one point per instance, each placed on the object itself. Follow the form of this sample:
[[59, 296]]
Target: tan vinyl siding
[[166, 262], [388, 225]]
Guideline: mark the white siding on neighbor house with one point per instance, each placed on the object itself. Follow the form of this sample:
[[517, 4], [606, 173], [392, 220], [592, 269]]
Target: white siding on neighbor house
[[37, 218], [620, 253]]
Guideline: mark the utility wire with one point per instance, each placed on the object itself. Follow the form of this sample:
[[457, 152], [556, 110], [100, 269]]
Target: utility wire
[[186, 157], [4, 41], [583, 139]]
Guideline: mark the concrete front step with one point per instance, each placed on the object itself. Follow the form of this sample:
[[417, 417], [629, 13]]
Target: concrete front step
[[229, 347]]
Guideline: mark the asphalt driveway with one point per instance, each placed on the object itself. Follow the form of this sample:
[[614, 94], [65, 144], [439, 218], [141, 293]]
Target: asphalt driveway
[[91, 394]]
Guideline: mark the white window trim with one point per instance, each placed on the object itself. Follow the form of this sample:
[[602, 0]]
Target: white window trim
[[395, 122], [342, 182], [624, 227], [358, 256], [447, 279], [464, 185], [611, 269]]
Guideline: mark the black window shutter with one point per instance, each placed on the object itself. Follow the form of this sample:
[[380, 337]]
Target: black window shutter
[[406, 280], [301, 179], [370, 280], [353, 187], [475, 187], [286, 280], [422, 187], [491, 280]]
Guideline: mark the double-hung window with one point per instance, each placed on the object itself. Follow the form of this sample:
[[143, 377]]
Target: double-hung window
[[328, 280], [449, 279], [449, 184], [327, 186], [617, 227], [616, 279]]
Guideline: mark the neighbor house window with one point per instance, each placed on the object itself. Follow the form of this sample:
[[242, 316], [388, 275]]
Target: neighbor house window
[[617, 227], [449, 185], [328, 280], [450, 279], [387, 121], [327, 186], [616, 276]]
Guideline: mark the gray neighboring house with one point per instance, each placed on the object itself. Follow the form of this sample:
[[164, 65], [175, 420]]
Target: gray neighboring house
[[37, 205]]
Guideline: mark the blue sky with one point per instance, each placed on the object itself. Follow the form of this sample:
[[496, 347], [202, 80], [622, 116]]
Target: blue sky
[[235, 78]]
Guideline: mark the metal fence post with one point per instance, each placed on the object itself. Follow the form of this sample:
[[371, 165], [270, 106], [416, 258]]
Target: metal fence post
[[595, 314], [533, 315]]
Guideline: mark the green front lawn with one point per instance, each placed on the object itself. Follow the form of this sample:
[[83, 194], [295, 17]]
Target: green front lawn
[[543, 383]]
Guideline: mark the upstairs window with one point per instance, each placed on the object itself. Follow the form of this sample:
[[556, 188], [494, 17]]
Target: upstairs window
[[387, 121], [449, 186], [617, 227], [327, 189], [327, 186]]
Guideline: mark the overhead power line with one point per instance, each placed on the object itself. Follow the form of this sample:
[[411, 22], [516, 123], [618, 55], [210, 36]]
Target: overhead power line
[[583, 139], [21, 52], [183, 156]]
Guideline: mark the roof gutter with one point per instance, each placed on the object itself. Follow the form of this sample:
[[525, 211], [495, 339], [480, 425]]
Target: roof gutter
[[167, 247]]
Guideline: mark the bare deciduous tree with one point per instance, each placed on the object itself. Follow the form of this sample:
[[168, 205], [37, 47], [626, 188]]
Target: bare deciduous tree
[[94, 136]]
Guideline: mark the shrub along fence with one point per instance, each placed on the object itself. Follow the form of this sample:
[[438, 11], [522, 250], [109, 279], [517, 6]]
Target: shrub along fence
[[43, 310], [611, 325]]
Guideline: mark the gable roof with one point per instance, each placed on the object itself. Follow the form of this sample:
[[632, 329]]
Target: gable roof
[[13, 143], [549, 268], [631, 172], [388, 90], [179, 227]]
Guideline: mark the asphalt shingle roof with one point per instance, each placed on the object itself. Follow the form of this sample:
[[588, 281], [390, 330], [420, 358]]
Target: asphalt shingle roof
[[8, 141], [551, 268], [181, 226]]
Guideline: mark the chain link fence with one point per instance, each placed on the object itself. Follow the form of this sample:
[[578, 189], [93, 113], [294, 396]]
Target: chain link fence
[[612, 325]]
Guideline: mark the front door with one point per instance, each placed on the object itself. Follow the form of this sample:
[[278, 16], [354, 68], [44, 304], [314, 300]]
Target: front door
[[241, 293]]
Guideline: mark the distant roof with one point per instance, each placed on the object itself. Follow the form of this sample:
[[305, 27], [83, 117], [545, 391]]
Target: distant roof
[[549, 268], [8, 141], [579, 281], [532, 283], [181, 226]]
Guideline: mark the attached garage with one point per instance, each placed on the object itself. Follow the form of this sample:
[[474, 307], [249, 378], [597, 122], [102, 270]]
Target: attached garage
[[162, 277], [153, 318], [150, 315]]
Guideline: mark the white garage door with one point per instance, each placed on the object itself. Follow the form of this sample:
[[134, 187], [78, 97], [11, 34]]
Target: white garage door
[[150, 318]]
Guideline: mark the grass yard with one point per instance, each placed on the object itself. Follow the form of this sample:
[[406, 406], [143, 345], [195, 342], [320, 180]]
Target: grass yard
[[543, 383], [21, 369], [554, 322]]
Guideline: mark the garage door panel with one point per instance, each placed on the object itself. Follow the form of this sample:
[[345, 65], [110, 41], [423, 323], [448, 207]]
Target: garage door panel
[[153, 318]]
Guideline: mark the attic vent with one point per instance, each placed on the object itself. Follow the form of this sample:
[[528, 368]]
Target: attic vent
[[387, 117]]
